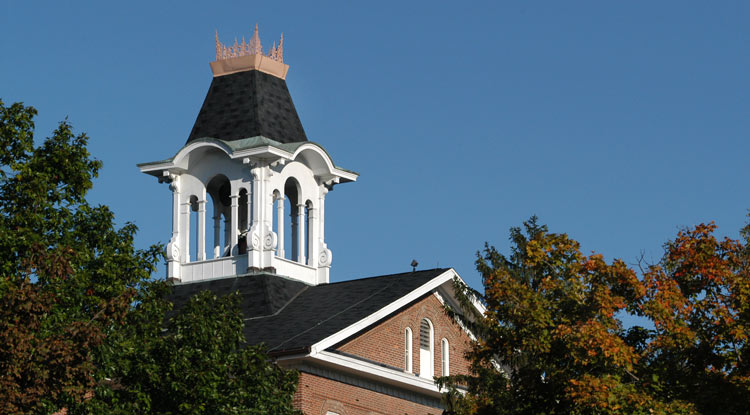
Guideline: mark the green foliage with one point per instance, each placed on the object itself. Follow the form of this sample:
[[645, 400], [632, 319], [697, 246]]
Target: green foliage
[[83, 327], [198, 364]]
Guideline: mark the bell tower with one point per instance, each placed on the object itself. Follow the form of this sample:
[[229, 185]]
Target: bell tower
[[247, 166]]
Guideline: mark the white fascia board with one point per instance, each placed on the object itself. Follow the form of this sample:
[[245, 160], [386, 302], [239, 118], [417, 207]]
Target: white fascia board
[[474, 301], [264, 151], [155, 167], [453, 304], [345, 174], [382, 313], [376, 372]]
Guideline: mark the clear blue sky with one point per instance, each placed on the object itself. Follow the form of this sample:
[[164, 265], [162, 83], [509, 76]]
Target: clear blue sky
[[616, 122]]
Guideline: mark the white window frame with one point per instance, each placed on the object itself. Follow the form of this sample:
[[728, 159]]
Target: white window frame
[[408, 350], [446, 355]]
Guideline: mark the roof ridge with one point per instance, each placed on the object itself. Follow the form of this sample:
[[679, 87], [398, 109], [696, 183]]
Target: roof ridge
[[294, 297], [383, 276]]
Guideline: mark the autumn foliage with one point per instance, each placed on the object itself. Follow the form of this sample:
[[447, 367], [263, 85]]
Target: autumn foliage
[[552, 340]]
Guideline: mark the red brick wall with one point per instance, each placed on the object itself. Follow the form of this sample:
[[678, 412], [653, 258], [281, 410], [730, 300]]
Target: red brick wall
[[317, 395], [384, 343]]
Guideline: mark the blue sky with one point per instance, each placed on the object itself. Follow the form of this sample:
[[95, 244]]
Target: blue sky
[[615, 122]]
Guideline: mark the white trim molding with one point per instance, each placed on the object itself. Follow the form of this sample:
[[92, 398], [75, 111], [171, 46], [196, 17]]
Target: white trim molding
[[383, 312]]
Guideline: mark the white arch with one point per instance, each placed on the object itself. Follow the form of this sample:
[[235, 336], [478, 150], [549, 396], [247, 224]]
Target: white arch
[[181, 157], [302, 174], [315, 158]]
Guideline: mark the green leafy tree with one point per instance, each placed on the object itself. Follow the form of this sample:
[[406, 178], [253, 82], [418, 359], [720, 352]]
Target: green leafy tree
[[197, 363], [83, 327]]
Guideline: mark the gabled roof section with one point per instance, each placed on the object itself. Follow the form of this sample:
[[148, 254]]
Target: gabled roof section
[[248, 104], [314, 314]]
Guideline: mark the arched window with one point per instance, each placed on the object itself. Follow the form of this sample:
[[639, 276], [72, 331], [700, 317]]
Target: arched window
[[296, 220], [407, 350], [290, 237], [445, 354], [308, 232], [242, 211], [426, 352], [242, 220], [218, 188], [192, 240]]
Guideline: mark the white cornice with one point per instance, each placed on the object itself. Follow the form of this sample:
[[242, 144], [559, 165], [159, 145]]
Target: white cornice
[[267, 153], [358, 367]]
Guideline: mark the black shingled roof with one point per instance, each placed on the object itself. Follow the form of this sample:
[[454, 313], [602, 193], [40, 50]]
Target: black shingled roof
[[248, 104], [289, 316]]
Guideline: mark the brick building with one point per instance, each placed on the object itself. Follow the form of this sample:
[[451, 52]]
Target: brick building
[[367, 346]]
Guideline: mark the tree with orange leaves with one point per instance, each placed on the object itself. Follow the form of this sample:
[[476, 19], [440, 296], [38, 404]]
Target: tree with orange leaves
[[698, 299], [551, 340]]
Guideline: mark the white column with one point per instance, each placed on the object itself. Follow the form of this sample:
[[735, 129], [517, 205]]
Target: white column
[[173, 248], [227, 234], [301, 233], [185, 230], [217, 233], [280, 229], [234, 224], [174, 186], [256, 174], [321, 213], [249, 218], [312, 237], [201, 255], [255, 257]]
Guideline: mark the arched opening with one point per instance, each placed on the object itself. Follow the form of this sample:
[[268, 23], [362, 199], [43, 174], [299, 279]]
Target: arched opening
[[308, 231], [242, 210], [192, 247], [289, 238], [218, 188], [446, 357], [242, 219], [407, 350], [296, 220], [426, 353]]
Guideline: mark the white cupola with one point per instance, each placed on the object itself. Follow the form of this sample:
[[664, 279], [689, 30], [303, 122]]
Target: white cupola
[[248, 165]]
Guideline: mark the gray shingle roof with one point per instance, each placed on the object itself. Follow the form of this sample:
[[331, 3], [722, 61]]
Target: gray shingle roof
[[248, 104], [290, 316]]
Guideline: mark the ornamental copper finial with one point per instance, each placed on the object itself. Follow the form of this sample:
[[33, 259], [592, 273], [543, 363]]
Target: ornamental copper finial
[[218, 47], [251, 47], [249, 55]]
